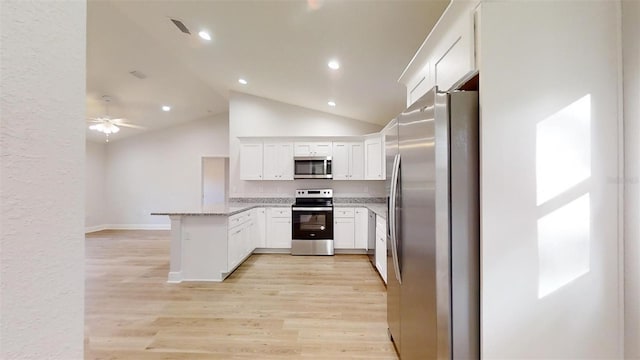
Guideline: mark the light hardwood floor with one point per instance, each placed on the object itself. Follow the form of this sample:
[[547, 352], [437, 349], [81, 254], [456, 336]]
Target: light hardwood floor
[[271, 307]]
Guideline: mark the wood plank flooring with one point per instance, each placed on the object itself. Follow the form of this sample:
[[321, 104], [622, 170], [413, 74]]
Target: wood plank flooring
[[271, 307]]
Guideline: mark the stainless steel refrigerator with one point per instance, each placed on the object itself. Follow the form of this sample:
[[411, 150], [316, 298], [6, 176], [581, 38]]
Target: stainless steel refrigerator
[[433, 272]]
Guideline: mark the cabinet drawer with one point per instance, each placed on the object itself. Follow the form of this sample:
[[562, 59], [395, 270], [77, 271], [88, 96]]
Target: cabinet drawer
[[280, 212], [343, 212], [240, 218]]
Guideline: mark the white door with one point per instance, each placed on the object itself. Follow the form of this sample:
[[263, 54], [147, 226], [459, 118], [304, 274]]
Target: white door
[[322, 149], [340, 161], [343, 233], [303, 149], [271, 161], [260, 232], [356, 161], [373, 159], [234, 247], [214, 183], [361, 228], [279, 232], [381, 254], [251, 161], [285, 157]]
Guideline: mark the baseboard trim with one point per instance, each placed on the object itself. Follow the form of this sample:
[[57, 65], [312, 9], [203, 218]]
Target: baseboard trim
[[139, 227], [90, 229], [272, 251], [175, 277], [350, 251]]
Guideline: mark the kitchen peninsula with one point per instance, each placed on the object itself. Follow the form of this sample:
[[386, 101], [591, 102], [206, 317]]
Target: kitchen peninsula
[[209, 243]]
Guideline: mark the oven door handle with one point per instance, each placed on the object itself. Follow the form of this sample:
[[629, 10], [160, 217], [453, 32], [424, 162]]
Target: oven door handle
[[327, 208]]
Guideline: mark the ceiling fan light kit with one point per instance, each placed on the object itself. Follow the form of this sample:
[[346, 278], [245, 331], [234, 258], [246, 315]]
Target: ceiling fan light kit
[[106, 128]]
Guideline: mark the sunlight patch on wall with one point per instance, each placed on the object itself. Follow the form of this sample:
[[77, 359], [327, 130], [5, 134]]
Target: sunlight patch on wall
[[563, 165], [564, 245], [563, 149]]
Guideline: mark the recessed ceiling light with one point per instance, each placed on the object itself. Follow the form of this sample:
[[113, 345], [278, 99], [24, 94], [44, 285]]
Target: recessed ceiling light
[[334, 65], [242, 81], [331, 103], [205, 35], [166, 107]]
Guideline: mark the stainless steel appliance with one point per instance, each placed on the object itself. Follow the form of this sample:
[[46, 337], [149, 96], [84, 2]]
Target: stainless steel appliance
[[433, 239], [312, 167], [312, 222]]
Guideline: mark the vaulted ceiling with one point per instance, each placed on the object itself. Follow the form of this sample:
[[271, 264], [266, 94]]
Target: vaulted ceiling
[[280, 47]]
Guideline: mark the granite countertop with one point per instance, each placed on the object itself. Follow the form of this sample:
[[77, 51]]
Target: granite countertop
[[379, 209], [239, 205], [226, 209]]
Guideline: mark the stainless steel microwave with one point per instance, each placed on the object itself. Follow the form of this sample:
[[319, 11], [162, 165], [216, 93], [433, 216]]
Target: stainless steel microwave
[[312, 167]]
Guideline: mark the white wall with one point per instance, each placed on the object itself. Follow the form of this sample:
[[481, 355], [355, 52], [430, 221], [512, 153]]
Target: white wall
[[161, 171], [549, 180], [42, 97], [255, 116], [95, 177], [631, 53]]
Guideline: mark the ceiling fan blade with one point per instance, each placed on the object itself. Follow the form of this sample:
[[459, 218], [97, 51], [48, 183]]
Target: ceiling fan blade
[[131, 126]]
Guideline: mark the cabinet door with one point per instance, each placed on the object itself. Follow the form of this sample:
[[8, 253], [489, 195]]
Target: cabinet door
[[322, 149], [455, 57], [343, 233], [381, 255], [285, 158], [356, 161], [303, 149], [260, 233], [361, 229], [272, 161], [340, 162], [381, 247], [373, 159], [251, 161], [234, 249], [279, 232]]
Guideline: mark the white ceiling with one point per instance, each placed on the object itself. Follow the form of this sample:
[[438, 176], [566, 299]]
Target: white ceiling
[[280, 47]]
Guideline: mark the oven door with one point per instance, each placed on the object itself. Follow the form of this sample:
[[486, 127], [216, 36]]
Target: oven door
[[312, 223]]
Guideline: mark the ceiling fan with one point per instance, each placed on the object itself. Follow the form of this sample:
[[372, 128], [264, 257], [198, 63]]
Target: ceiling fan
[[108, 125]]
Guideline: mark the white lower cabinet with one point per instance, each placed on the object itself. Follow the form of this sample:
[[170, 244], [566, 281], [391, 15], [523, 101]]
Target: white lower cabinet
[[361, 228], [260, 233], [381, 247], [240, 239], [344, 233], [278, 228], [350, 228]]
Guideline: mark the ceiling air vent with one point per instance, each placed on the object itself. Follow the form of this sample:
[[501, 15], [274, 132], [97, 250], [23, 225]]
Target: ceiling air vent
[[181, 26], [138, 74]]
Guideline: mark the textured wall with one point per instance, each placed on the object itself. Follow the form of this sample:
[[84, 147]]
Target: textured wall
[[161, 171], [255, 116], [42, 94], [95, 177], [631, 53]]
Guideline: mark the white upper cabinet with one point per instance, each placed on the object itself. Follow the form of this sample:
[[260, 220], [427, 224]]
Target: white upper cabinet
[[447, 56], [251, 160], [348, 161], [278, 161], [374, 159], [313, 148]]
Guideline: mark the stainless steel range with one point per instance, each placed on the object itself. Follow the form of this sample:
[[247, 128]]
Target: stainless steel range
[[312, 222]]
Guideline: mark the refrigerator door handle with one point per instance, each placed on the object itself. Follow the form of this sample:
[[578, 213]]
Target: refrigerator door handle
[[392, 217]]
